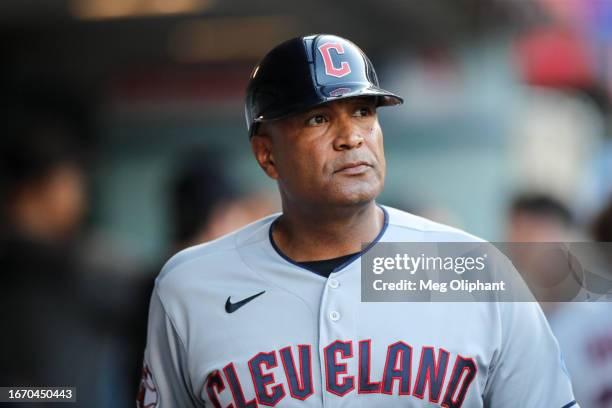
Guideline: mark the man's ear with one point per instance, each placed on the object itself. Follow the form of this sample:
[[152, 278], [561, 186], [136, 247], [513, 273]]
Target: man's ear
[[261, 145]]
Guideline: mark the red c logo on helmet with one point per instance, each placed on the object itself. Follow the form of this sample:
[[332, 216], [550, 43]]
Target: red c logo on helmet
[[330, 69]]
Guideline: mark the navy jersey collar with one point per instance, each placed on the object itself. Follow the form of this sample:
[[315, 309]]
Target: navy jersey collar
[[341, 266]]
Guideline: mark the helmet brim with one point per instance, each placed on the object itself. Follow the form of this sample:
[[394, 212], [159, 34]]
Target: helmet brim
[[383, 98]]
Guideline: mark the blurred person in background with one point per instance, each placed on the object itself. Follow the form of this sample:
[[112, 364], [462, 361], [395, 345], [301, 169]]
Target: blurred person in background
[[537, 226], [42, 206], [64, 312], [536, 217], [204, 203], [584, 332]]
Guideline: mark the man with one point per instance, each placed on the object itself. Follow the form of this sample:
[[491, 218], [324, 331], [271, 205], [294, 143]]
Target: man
[[584, 330], [66, 304], [538, 217], [542, 219], [271, 315], [203, 202], [43, 193]]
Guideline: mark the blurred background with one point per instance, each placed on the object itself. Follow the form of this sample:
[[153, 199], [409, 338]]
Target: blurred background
[[123, 140]]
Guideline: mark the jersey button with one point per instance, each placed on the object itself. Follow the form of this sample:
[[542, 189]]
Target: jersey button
[[334, 316], [333, 283]]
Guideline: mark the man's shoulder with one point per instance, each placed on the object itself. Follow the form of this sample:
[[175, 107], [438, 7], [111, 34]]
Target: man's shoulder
[[222, 251], [404, 225]]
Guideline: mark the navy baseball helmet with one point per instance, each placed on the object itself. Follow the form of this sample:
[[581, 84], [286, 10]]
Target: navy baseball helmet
[[304, 72]]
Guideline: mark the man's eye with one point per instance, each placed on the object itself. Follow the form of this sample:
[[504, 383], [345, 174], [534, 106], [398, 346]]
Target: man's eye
[[364, 111], [316, 120]]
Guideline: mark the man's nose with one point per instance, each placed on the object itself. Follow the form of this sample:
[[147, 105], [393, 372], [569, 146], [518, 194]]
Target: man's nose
[[348, 134]]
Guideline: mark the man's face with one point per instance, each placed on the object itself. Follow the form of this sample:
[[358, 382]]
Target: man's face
[[525, 226], [332, 154]]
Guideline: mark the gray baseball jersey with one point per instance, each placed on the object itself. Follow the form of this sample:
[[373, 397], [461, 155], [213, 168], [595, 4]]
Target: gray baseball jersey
[[234, 323]]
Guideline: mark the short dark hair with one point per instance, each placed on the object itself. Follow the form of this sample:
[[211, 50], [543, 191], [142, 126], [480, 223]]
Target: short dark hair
[[32, 148], [199, 186], [542, 205]]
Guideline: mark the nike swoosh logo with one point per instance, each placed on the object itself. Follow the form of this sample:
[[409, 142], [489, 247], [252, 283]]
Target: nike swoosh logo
[[232, 307]]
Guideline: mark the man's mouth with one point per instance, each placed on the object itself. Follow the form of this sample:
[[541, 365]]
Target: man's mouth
[[354, 168]]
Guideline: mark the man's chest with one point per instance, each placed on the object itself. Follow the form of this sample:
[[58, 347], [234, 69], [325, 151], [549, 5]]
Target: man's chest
[[321, 346]]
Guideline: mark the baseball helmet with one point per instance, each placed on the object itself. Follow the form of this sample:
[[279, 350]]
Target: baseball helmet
[[304, 72]]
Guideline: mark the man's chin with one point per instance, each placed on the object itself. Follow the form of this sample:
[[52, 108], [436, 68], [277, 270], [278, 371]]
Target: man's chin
[[354, 198]]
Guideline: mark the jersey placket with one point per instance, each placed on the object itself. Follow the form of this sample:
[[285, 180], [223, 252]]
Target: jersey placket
[[336, 334]]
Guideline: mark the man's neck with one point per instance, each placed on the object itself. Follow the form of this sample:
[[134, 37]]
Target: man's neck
[[316, 235]]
